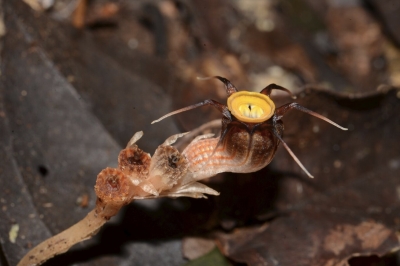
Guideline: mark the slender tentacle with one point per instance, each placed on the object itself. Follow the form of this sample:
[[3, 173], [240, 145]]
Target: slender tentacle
[[230, 88], [293, 155], [281, 111], [267, 90], [221, 138], [221, 107]]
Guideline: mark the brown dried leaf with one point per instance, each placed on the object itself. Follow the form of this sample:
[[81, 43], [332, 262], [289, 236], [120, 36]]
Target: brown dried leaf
[[195, 247], [359, 41], [351, 207], [55, 78]]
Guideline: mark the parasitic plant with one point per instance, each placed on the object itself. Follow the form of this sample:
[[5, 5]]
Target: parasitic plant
[[250, 135]]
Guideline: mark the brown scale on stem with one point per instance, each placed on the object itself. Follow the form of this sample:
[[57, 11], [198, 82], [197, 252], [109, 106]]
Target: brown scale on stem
[[112, 185], [138, 177], [114, 190], [169, 164], [135, 163]]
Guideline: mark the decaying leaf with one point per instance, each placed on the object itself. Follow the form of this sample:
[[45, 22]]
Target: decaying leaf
[[195, 247], [351, 207], [70, 99]]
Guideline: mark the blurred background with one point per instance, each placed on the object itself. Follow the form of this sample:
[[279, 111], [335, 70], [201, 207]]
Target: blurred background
[[80, 77]]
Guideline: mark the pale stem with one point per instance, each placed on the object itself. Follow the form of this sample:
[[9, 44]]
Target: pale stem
[[62, 242]]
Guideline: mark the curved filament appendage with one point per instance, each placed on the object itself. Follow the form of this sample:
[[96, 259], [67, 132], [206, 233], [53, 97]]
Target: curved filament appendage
[[221, 107], [229, 87], [180, 111], [294, 156], [267, 90], [324, 118], [281, 111]]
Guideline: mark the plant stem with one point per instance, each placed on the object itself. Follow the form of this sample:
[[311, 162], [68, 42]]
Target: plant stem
[[60, 243]]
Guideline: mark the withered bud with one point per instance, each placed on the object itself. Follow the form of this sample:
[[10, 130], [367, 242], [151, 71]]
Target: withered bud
[[112, 186], [135, 163], [169, 165]]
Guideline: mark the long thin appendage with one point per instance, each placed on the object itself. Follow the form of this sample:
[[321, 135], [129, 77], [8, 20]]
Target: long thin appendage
[[221, 138], [267, 90], [229, 87], [293, 156], [281, 111], [216, 104]]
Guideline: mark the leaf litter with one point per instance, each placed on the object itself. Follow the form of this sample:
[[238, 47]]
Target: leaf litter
[[273, 216]]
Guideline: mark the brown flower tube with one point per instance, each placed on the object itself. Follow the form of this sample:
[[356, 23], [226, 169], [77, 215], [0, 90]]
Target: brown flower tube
[[250, 135], [242, 148]]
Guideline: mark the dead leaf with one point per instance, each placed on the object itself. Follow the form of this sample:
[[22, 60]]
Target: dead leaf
[[350, 208], [69, 100], [195, 247]]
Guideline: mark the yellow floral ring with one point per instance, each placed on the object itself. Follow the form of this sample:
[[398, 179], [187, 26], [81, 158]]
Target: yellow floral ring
[[252, 107]]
